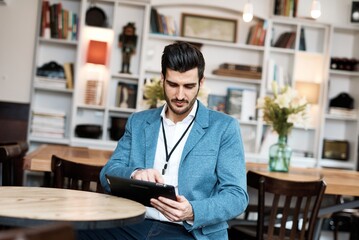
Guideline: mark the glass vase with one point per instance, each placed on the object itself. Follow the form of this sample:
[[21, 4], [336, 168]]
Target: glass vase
[[279, 155]]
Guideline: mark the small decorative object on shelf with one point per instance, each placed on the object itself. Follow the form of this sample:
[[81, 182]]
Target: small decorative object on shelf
[[282, 111], [127, 40]]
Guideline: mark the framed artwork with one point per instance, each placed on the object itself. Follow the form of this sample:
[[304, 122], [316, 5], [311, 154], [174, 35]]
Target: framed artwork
[[208, 27]]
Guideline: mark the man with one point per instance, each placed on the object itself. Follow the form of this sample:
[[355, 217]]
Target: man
[[184, 144]]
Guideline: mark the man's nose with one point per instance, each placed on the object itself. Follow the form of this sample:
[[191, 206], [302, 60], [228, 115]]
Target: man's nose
[[180, 93]]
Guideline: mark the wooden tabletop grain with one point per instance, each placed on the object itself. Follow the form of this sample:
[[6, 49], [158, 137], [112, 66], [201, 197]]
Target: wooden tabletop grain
[[28, 206]]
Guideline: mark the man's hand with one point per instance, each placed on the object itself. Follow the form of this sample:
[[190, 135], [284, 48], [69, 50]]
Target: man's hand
[[150, 175], [175, 211]]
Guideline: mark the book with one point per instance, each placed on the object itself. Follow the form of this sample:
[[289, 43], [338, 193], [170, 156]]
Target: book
[[238, 73], [234, 102], [154, 21], [241, 103], [344, 112], [286, 40], [236, 66], [302, 43], [217, 102], [69, 75], [57, 83]]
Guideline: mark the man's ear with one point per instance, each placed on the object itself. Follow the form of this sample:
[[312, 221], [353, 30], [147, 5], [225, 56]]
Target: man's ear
[[201, 82]]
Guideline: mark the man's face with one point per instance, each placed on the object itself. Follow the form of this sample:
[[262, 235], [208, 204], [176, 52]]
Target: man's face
[[181, 90]]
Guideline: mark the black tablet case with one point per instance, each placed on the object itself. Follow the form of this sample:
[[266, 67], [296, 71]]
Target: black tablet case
[[139, 191]]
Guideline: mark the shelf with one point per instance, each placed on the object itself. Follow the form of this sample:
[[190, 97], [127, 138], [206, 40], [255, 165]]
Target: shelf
[[49, 140], [58, 41], [233, 79], [126, 76], [337, 164], [344, 73], [51, 89], [340, 118], [282, 50], [94, 143], [158, 36], [126, 110], [91, 107]]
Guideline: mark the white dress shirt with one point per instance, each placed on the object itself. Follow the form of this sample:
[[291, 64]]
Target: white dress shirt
[[173, 131]]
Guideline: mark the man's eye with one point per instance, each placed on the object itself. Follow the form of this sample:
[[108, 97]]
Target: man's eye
[[189, 86]]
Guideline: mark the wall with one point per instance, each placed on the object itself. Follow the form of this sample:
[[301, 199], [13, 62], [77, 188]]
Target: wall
[[17, 39], [18, 25]]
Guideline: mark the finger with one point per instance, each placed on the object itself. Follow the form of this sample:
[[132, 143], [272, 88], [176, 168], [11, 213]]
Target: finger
[[168, 212], [159, 177]]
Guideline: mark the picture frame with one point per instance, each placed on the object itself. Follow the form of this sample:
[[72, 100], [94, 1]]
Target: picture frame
[[209, 27]]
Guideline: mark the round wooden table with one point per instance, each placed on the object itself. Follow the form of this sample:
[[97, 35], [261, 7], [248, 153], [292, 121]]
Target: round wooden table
[[30, 206]]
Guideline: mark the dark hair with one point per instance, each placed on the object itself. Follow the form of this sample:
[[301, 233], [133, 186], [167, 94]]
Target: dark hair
[[181, 57]]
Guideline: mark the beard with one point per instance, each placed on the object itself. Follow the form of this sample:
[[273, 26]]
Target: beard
[[180, 110]]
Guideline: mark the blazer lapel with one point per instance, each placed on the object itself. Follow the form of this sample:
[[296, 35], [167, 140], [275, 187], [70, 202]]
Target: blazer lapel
[[151, 136], [198, 130]]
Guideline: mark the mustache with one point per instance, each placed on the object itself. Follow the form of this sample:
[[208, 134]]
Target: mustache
[[177, 100]]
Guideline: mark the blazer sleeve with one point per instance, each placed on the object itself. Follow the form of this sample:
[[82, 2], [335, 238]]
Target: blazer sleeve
[[119, 163]]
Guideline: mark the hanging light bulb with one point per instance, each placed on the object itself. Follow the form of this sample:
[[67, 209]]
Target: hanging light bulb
[[248, 12], [316, 9]]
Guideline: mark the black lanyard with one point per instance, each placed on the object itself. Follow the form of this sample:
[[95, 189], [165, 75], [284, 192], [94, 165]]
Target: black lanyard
[[168, 156]]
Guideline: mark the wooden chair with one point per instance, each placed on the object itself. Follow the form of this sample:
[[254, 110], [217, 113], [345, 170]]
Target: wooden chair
[[73, 175], [11, 157], [285, 209], [57, 231]]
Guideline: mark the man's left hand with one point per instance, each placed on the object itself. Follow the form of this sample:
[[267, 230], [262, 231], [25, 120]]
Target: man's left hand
[[175, 211]]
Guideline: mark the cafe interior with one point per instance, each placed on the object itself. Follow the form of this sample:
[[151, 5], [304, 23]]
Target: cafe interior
[[73, 71]]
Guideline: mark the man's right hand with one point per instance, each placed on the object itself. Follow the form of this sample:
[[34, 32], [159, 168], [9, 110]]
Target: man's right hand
[[150, 175]]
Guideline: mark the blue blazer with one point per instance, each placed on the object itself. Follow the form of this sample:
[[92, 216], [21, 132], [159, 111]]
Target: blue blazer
[[211, 175]]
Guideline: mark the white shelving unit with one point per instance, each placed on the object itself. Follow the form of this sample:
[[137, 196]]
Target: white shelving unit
[[344, 44], [49, 98], [119, 13], [309, 65], [291, 62]]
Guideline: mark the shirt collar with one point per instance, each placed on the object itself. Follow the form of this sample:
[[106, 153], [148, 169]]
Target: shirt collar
[[189, 117]]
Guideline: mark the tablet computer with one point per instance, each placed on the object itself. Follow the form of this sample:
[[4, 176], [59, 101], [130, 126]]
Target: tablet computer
[[139, 191]]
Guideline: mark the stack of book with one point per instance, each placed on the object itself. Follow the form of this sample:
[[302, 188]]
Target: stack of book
[[48, 123], [162, 23], [239, 70], [343, 112], [56, 83], [257, 34], [57, 22]]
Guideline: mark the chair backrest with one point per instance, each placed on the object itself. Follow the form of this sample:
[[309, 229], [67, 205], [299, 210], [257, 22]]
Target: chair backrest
[[58, 231], [73, 175], [11, 157], [286, 209]]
